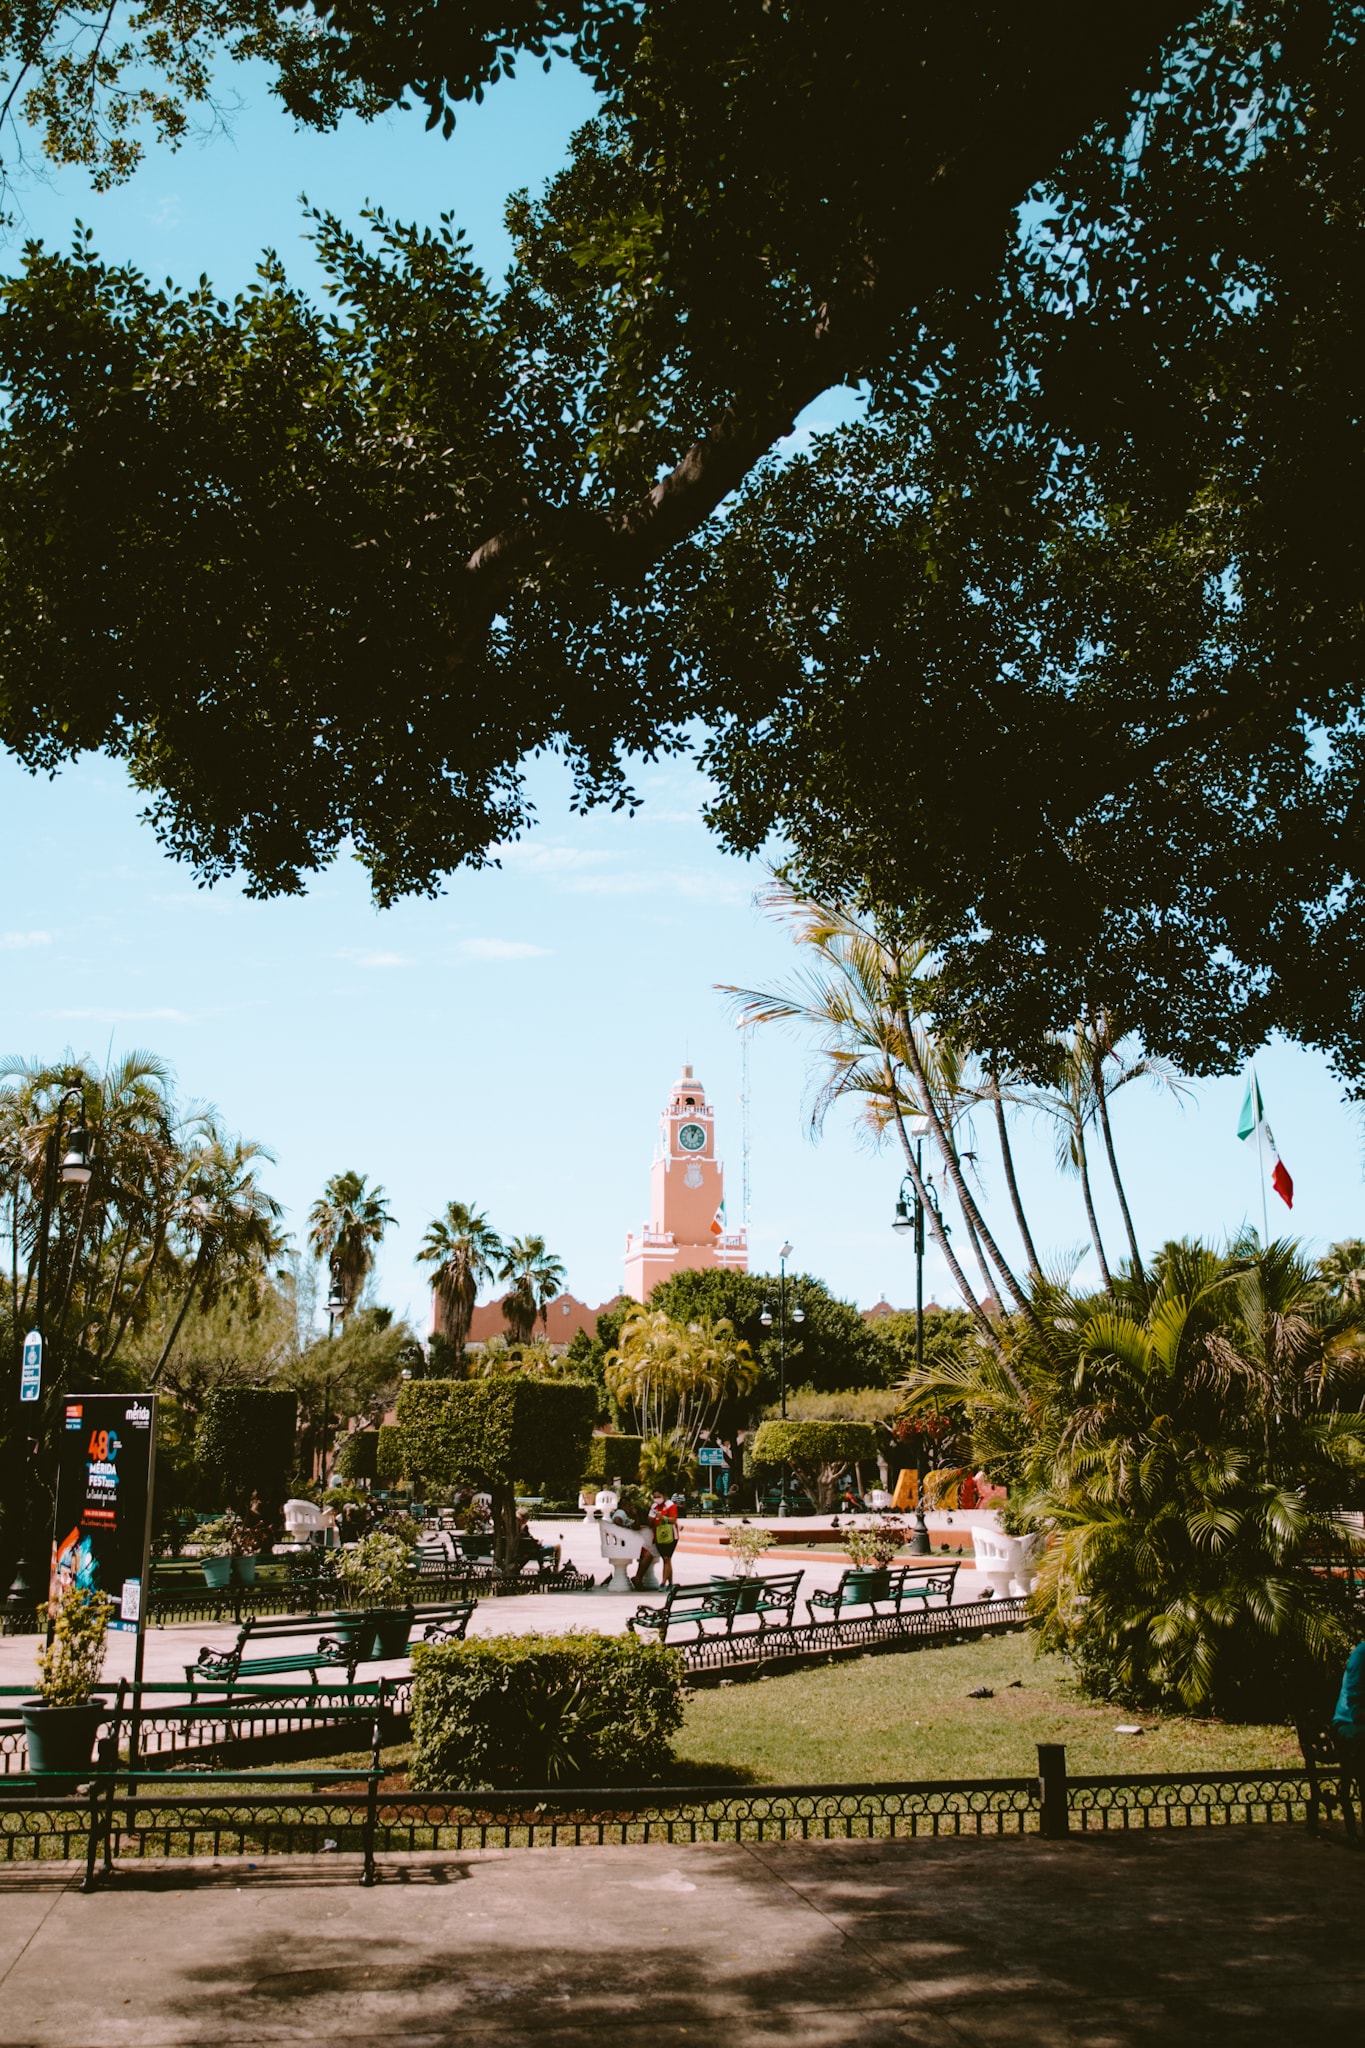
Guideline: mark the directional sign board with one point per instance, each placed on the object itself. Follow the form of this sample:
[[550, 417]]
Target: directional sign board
[[31, 1371], [710, 1454]]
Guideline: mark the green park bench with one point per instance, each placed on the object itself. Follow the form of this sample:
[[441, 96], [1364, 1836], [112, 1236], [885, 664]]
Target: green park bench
[[338, 1640], [874, 1586], [234, 1667], [769, 1601], [445, 1622]]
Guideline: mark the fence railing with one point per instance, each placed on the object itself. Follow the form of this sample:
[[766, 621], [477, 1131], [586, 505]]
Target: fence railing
[[856, 1633], [184, 1601], [118, 1816], [155, 1722]]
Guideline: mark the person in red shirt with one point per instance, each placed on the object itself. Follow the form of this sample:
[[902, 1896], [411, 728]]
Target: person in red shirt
[[663, 1527]]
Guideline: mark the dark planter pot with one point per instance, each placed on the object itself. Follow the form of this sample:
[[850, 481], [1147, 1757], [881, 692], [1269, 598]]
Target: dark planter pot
[[61, 1738], [750, 1593], [244, 1570], [868, 1586], [217, 1571], [353, 1628], [391, 1626]]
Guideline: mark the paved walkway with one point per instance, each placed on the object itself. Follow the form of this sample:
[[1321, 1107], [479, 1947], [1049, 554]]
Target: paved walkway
[[1230, 1938], [169, 1649]]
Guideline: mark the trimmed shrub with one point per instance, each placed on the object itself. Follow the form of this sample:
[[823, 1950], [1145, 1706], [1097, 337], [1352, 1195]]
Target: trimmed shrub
[[489, 1433], [613, 1457], [816, 1451], [358, 1456], [245, 1447], [388, 1453], [542, 1710]]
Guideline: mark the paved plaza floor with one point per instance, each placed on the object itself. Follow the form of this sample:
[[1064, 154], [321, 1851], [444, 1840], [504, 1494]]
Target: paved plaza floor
[[169, 1649], [1236, 1936]]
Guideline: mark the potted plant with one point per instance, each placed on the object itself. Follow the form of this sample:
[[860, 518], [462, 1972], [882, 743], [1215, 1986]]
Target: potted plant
[[213, 1540], [378, 1570], [475, 1538], [250, 1539], [61, 1724], [870, 1552], [748, 1544]]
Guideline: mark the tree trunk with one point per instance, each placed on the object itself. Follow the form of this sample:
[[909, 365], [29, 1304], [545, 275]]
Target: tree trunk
[[1084, 1166], [158, 1244], [195, 1276], [1102, 1098], [963, 1192], [1007, 1158], [506, 1542], [987, 1281]]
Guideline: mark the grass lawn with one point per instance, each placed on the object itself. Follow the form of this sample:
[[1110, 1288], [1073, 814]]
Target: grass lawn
[[908, 1716]]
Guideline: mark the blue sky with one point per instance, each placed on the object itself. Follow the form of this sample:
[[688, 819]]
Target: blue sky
[[512, 1042]]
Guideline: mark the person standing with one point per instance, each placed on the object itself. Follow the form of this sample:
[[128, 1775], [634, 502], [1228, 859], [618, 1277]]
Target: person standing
[[663, 1526]]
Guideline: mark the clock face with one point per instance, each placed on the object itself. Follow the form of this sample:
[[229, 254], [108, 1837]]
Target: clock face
[[691, 1137]]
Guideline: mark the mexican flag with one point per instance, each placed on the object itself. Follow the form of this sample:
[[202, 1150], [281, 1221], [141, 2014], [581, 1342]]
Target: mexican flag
[[718, 1222], [1252, 1124]]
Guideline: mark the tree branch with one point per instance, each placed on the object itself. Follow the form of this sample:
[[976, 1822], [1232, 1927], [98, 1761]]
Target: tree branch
[[1010, 138]]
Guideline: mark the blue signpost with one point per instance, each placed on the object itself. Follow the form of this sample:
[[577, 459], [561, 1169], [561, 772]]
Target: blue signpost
[[31, 1370], [712, 1456]]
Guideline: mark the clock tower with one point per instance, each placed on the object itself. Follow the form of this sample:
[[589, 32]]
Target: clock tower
[[687, 1229]]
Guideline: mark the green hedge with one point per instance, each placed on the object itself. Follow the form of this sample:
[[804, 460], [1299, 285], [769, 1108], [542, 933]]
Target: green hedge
[[542, 1710], [388, 1453], [245, 1447], [494, 1432], [816, 1451], [358, 1457], [613, 1457]]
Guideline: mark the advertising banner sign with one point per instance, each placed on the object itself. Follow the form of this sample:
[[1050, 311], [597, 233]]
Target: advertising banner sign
[[102, 1530]]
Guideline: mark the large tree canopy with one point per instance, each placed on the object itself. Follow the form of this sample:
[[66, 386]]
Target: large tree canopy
[[1060, 666], [320, 575], [1056, 657]]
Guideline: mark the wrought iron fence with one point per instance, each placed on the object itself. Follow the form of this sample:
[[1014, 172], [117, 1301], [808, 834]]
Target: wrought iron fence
[[1195, 1799], [341, 1812], [858, 1633], [158, 1725]]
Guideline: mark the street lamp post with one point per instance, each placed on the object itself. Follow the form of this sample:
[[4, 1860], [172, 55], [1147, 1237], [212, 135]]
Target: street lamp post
[[71, 1168], [336, 1299], [910, 1216]]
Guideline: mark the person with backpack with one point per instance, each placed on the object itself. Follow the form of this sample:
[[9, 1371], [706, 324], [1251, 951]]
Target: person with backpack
[[663, 1527]]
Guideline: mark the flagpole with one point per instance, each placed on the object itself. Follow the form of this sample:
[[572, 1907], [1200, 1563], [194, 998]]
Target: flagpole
[[1260, 1154]]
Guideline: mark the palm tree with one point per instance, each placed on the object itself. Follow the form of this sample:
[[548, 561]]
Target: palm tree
[[1185, 1446], [1342, 1270], [676, 1376], [536, 1277], [859, 996], [466, 1252], [345, 1226], [1097, 1059], [225, 1213]]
